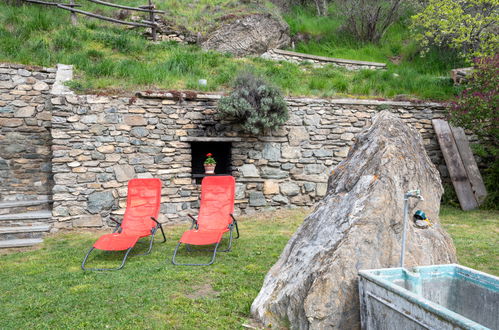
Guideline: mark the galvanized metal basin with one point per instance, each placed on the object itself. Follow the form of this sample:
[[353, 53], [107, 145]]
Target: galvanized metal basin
[[429, 297]]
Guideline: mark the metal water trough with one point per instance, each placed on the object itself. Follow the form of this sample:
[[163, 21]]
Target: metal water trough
[[428, 297]]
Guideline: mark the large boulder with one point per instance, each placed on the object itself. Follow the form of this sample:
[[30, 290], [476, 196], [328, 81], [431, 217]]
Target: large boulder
[[252, 34], [358, 225]]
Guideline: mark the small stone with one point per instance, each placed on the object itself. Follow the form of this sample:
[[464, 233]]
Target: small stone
[[41, 86], [25, 112], [249, 171], [98, 201], [290, 152], [106, 149], [88, 221], [273, 173], [256, 198], [135, 120], [124, 172], [271, 151], [270, 187], [297, 135], [280, 199], [139, 132], [289, 189]]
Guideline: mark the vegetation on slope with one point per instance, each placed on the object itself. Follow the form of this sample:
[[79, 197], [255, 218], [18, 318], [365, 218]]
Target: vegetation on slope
[[113, 57]]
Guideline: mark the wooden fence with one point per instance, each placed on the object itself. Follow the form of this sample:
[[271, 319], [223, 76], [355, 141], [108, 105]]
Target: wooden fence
[[150, 8]]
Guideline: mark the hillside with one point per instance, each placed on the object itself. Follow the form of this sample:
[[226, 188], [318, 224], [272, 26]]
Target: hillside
[[120, 59]]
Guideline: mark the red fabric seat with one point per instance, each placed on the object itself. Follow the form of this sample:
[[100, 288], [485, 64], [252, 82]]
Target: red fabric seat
[[215, 215], [202, 237], [115, 242], [142, 206]]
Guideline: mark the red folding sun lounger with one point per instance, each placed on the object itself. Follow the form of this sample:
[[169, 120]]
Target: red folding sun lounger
[[215, 217], [139, 220]]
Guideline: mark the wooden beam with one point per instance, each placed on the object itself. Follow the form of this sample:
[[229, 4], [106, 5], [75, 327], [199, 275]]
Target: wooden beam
[[457, 172], [147, 10], [104, 18], [50, 3], [469, 163]]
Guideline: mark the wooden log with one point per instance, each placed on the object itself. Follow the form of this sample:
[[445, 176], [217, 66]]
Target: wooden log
[[104, 18], [51, 3], [151, 18], [457, 172], [127, 7], [469, 163]]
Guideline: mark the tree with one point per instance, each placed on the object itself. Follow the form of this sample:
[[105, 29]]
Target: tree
[[254, 104], [468, 26], [477, 109], [369, 19]]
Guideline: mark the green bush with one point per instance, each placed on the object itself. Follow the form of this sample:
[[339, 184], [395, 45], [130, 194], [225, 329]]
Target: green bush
[[254, 104], [476, 110]]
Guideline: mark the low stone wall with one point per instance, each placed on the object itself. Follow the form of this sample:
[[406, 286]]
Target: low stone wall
[[320, 61], [25, 140], [99, 143]]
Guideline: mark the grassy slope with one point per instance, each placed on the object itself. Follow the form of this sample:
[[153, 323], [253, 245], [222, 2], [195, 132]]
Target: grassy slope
[[46, 288], [109, 56]]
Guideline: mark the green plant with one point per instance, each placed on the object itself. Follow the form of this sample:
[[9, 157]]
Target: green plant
[[476, 109], [254, 104], [469, 26], [210, 160]]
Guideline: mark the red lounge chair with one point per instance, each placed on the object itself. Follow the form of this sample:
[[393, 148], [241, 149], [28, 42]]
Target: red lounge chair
[[215, 216], [140, 220]]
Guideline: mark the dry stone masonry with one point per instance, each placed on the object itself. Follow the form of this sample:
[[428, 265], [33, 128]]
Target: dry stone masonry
[[25, 140], [99, 143], [319, 61], [92, 145]]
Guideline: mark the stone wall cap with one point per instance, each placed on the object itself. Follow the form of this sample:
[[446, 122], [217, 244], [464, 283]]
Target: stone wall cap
[[327, 59], [210, 139]]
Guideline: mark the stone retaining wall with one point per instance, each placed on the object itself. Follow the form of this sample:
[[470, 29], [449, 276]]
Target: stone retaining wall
[[25, 141], [320, 61], [99, 143]]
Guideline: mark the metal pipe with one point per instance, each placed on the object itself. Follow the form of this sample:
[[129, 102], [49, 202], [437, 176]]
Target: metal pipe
[[407, 195]]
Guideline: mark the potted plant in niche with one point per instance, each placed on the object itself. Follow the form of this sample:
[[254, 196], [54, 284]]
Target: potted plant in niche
[[209, 164]]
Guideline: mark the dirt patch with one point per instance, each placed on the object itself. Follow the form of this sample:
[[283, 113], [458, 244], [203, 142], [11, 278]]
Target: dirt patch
[[202, 291]]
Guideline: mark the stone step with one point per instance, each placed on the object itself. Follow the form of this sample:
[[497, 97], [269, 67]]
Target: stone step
[[12, 204], [35, 231], [34, 215], [13, 243], [24, 229]]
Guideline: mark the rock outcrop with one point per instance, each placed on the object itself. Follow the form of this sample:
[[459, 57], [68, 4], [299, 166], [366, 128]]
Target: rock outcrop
[[252, 34], [358, 225]]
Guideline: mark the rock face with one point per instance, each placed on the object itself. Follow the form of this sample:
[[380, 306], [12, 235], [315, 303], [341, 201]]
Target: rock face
[[358, 225], [253, 34]]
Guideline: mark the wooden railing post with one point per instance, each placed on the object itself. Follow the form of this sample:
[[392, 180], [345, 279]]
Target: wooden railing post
[[152, 19], [74, 19]]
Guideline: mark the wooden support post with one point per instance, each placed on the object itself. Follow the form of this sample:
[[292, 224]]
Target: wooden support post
[[152, 19], [74, 19]]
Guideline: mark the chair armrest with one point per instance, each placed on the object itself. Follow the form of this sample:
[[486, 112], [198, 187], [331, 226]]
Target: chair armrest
[[194, 221], [114, 220], [233, 219], [154, 219]]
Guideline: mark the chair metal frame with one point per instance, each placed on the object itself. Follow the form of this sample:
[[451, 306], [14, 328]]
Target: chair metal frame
[[231, 227], [118, 229]]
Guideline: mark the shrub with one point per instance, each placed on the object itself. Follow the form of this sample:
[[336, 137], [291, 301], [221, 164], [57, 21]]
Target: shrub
[[476, 109], [369, 20], [254, 104], [468, 26]]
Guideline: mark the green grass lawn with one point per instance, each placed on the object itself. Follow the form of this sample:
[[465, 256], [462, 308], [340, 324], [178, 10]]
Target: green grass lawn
[[46, 288], [119, 60]]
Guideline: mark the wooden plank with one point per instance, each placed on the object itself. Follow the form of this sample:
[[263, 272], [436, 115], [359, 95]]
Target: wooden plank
[[104, 18], [469, 164], [458, 174], [150, 8]]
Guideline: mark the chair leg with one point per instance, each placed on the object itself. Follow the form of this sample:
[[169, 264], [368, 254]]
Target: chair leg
[[237, 229], [152, 241], [104, 269], [230, 242], [177, 264]]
